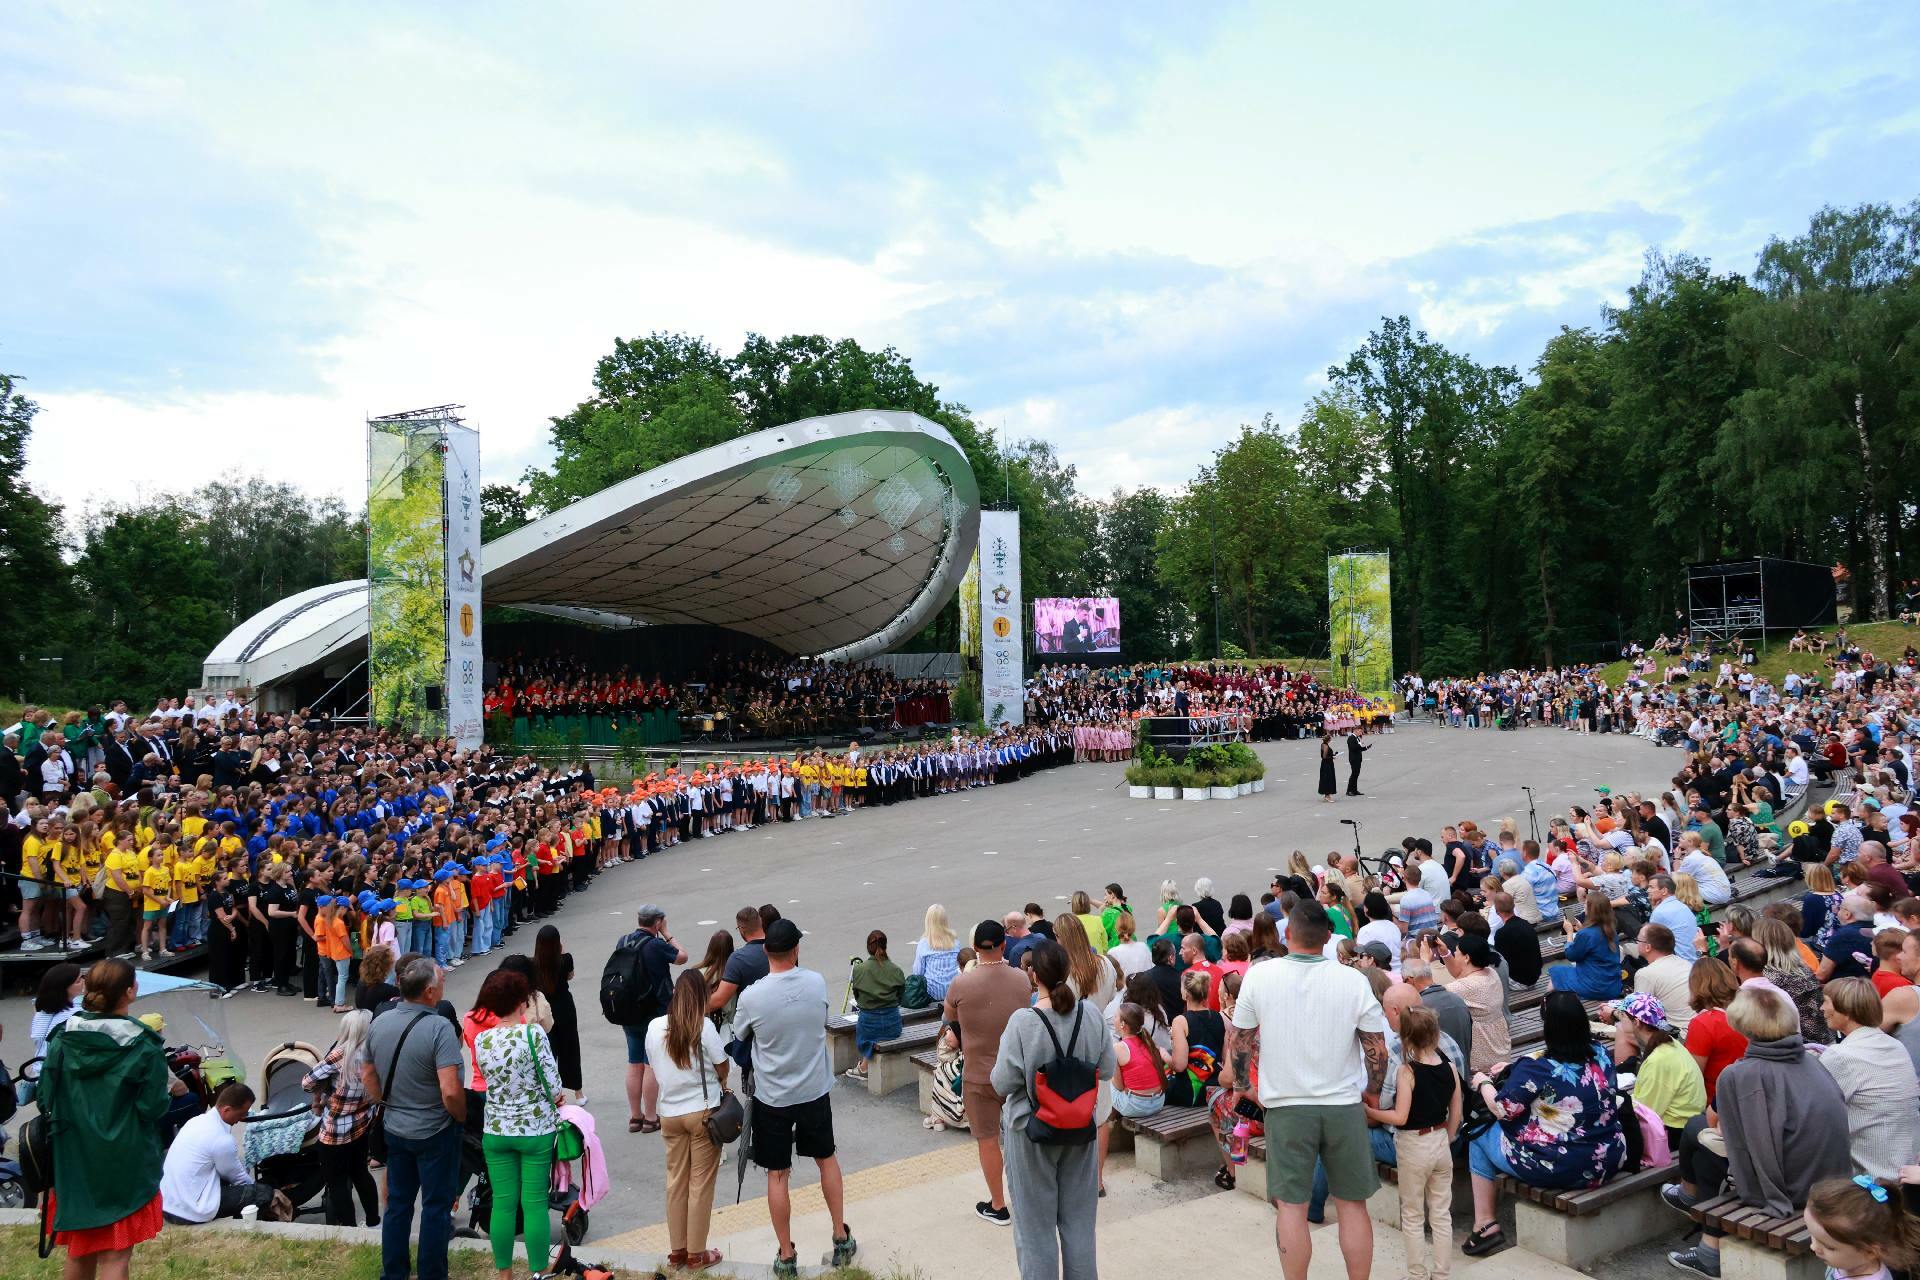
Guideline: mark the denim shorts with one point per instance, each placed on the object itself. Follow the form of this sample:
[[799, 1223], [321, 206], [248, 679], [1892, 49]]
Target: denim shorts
[[636, 1045], [1487, 1156], [1136, 1106]]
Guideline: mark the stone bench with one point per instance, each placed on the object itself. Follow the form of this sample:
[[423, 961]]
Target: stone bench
[[1174, 1142], [1755, 1245], [1576, 1228], [840, 1051], [892, 1065]]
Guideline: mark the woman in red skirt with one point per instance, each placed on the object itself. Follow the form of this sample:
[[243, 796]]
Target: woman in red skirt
[[104, 1089]]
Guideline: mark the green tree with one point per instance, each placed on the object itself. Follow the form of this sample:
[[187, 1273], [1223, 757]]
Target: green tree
[[1558, 525], [152, 603], [1154, 623], [33, 578], [1438, 413], [503, 508], [1826, 437], [1676, 368], [269, 541], [1253, 515], [1340, 459]]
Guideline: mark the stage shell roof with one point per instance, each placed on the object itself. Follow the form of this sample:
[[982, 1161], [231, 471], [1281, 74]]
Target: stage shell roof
[[838, 537]]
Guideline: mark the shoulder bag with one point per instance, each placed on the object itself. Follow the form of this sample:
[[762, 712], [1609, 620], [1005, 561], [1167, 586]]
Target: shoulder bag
[[725, 1121], [377, 1123], [568, 1142]]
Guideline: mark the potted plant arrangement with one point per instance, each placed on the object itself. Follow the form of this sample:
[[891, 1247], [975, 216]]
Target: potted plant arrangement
[[1194, 783], [1149, 775], [1222, 771]]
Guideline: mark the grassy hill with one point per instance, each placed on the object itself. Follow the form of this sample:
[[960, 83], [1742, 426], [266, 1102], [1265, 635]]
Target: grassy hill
[[1883, 639]]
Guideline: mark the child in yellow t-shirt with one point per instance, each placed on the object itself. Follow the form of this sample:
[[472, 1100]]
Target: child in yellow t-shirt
[[157, 882], [33, 867], [189, 873], [193, 825]]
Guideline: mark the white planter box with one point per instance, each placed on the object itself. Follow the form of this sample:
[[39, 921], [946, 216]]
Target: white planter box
[[1193, 793], [1246, 788], [1166, 793], [1139, 793], [1259, 785], [1225, 793]]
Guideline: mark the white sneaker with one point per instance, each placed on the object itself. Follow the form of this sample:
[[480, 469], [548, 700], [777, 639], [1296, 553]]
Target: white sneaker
[[35, 943]]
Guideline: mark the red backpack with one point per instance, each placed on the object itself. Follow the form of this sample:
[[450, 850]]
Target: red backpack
[[1064, 1092]]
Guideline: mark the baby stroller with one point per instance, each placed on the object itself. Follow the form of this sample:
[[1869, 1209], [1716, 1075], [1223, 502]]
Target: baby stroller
[[473, 1167], [282, 1137]]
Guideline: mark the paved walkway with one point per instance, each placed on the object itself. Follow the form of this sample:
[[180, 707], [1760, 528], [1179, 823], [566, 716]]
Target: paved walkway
[[916, 1216]]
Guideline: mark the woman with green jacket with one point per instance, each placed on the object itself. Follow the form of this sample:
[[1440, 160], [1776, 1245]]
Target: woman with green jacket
[[104, 1089]]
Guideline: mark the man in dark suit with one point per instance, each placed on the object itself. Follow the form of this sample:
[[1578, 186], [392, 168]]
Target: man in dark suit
[[1354, 750], [119, 757], [12, 775]]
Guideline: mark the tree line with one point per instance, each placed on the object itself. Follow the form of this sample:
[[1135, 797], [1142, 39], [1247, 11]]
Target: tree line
[[1531, 519]]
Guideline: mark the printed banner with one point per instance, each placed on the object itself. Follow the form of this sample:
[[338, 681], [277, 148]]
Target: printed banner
[[1360, 620], [406, 575], [465, 713], [1002, 679], [970, 608]]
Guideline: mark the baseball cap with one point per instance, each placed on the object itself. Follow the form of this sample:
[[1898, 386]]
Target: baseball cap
[[782, 937], [324, 900], [989, 933], [1796, 829], [1382, 957]]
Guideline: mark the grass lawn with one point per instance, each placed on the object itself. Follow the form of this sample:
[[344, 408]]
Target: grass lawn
[[1882, 639], [183, 1253]]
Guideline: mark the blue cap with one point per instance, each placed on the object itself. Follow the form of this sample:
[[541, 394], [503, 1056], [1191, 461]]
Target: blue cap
[[443, 874], [384, 905], [496, 842], [324, 900]]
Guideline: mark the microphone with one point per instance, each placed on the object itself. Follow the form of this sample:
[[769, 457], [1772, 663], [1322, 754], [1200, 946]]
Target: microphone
[[1348, 822]]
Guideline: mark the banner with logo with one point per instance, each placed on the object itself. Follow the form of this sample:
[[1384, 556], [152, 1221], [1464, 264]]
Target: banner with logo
[[1002, 679], [406, 574], [465, 712], [1360, 620]]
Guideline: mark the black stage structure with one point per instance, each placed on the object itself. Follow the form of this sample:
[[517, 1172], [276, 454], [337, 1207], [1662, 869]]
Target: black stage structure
[[1729, 600]]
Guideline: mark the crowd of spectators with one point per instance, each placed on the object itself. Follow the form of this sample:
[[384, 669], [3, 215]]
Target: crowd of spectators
[[742, 698]]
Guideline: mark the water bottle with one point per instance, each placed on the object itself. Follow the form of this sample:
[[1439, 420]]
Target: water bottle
[[1237, 1145]]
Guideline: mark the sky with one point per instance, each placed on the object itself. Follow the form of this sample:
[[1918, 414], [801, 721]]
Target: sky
[[230, 232]]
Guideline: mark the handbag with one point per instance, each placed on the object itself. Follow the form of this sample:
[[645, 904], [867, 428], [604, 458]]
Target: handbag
[[377, 1124], [569, 1144], [915, 994], [725, 1121]]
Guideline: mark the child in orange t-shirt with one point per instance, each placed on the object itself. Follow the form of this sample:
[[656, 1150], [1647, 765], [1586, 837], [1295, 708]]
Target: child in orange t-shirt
[[446, 912], [330, 939]]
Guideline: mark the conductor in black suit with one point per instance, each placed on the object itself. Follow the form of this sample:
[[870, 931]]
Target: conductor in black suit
[[1077, 636], [1355, 748]]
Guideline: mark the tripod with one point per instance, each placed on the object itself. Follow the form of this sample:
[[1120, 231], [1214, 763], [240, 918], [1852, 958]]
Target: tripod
[[1533, 816]]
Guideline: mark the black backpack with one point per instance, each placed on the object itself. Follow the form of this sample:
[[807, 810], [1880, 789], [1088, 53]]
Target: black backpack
[[1065, 1091], [626, 997]]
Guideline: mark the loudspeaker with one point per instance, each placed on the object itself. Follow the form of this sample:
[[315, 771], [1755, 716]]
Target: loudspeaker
[[433, 697]]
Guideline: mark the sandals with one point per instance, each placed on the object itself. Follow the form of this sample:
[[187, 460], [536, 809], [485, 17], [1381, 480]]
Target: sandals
[[648, 1126], [634, 1123], [1485, 1240], [1224, 1178], [701, 1261]]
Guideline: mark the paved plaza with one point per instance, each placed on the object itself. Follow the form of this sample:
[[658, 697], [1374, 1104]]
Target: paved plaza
[[982, 853]]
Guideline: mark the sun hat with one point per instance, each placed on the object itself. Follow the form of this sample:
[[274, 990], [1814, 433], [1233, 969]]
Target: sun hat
[[1645, 1009]]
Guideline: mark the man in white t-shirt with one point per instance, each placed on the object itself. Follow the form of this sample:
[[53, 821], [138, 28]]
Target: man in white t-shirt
[[1313, 1100]]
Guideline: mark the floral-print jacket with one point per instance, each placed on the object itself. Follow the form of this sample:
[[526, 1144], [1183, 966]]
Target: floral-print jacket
[[1559, 1124]]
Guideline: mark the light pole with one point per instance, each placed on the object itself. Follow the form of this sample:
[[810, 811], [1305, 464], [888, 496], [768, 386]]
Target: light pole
[[1213, 547]]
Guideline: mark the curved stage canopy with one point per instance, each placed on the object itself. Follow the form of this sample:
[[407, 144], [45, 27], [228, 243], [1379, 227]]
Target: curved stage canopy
[[837, 537]]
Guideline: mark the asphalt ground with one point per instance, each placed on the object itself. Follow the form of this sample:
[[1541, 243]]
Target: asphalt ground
[[982, 853]]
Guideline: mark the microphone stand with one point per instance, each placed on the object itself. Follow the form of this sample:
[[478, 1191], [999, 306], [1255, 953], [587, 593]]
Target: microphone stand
[[1533, 816]]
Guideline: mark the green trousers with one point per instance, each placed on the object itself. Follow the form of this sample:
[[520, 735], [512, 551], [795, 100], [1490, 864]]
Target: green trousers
[[520, 1170]]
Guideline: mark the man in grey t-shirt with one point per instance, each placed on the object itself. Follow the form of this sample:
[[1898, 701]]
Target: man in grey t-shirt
[[785, 1016], [413, 1067]]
